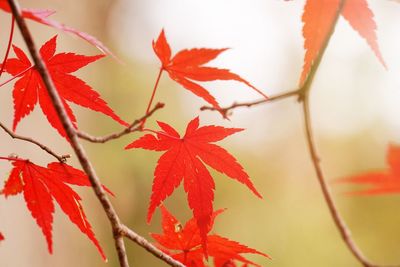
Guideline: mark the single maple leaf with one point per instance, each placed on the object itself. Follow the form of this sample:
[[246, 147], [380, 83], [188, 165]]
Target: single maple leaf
[[41, 16], [183, 243], [381, 181], [184, 159], [41, 186], [1, 237], [30, 89], [187, 66], [319, 18]]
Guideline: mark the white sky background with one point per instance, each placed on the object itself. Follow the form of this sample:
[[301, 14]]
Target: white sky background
[[351, 91]]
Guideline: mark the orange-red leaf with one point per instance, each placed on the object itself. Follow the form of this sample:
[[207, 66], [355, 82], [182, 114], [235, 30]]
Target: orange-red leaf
[[187, 66], [42, 16], [184, 159], [29, 88], [382, 181], [319, 18], [183, 243], [361, 18], [41, 186]]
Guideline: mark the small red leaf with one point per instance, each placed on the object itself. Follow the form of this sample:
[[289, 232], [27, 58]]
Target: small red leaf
[[187, 66], [382, 181]]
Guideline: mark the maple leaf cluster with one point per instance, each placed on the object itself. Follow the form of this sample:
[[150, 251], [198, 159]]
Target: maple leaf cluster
[[184, 158], [183, 243]]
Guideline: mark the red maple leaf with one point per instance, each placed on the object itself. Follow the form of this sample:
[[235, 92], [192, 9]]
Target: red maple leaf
[[30, 89], [319, 18], [41, 16], [187, 66], [184, 160], [1, 237], [41, 186], [183, 243], [385, 181]]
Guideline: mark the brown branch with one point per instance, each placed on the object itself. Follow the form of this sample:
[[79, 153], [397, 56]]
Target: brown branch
[[133, 127], [116, 225], [305, 99], [62, 158], [227, 109], [303, 94]]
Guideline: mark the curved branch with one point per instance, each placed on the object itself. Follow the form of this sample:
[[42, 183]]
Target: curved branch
[[133, 127], [227, 109], [305, 99], [62, 158], [337, 218], [116, 225]]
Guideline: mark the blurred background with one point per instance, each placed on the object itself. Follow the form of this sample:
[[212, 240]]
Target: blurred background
[[355, 112]]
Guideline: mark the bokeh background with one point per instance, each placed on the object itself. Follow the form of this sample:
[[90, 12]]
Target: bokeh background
[[355, 112]]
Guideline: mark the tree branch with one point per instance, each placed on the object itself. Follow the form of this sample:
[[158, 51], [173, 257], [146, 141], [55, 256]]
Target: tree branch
[[116, 225], [227, 109], [149, 247], [303, 94], [305, 99], [62, 158], [133, 127]]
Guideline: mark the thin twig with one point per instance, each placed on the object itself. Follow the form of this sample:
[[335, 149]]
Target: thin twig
[[339, 221], [303, 94], [3, 65], [62, 158], [149, 247], [152, 95], [133, 127], [226, 110], [16, 76], [116, 225]]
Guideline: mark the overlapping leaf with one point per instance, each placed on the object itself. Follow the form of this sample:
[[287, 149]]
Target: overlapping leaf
[[187, 66], [184, 159], [381, 181], [41, 186], [183, 243], [319, 18], [30, 89], [42, 16]]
